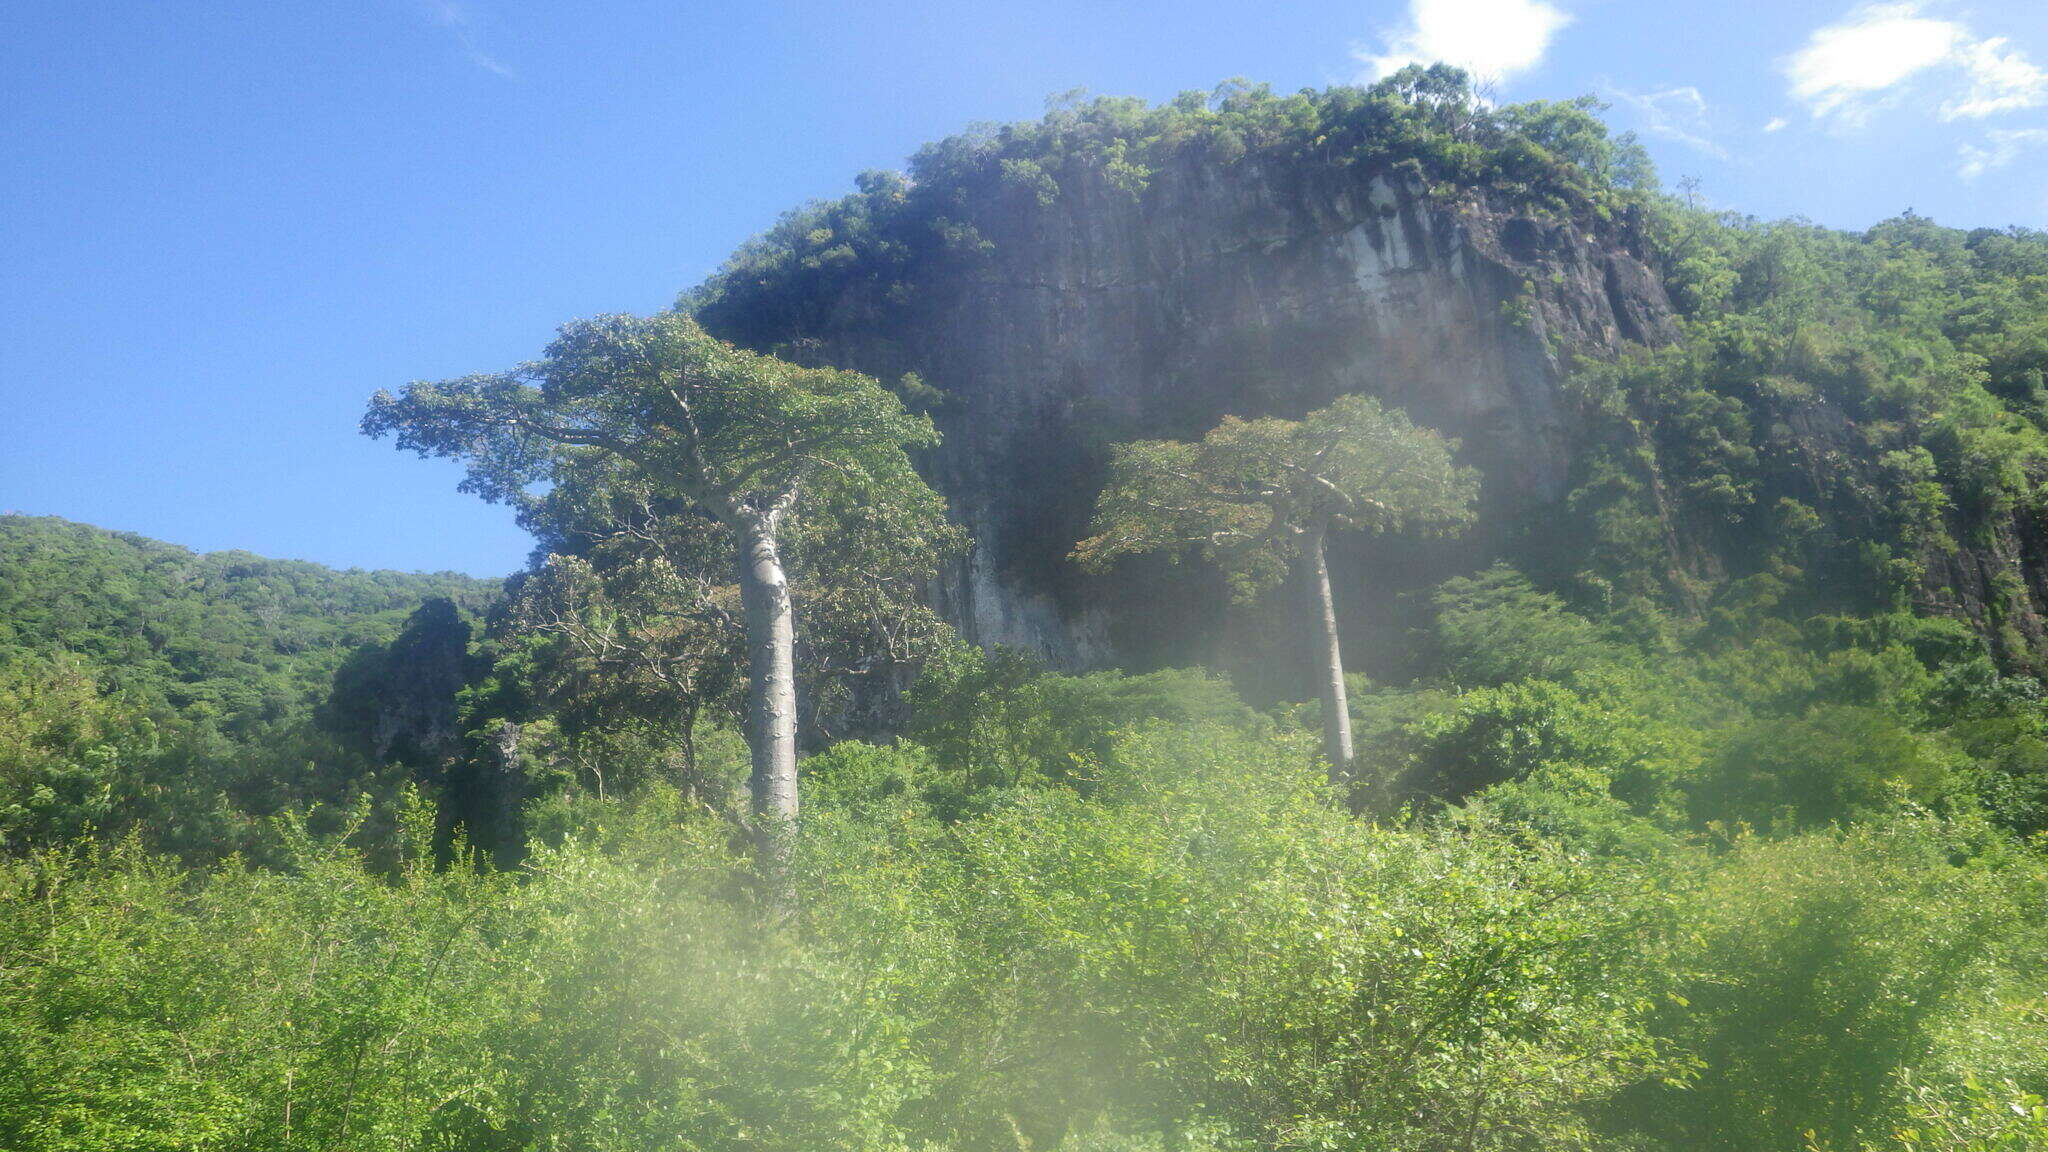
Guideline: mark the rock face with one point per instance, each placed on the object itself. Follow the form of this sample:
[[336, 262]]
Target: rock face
[[1250, 291]]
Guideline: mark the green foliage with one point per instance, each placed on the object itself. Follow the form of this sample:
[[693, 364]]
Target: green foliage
[[2007, 767], [1211, 942], [1000, 721], [1496, 627], [1490, 736], [1840, 411], [658, 446], [1104, 911], [698, 462], [1249, 492], [72, 761], [1531, 705], [396, 702], [326, 1007], [226, 639], [1814, 971], [1969, 1116], [1201, 952], [1207, 949], [683, 414], [1837, 762], [146, 689]]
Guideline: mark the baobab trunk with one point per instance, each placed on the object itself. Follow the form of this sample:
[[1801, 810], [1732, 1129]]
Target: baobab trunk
[[1329, 655], [771, 689]]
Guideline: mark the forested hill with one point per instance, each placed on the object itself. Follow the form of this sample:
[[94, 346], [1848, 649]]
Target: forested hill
[[146, 686], [230, 637]]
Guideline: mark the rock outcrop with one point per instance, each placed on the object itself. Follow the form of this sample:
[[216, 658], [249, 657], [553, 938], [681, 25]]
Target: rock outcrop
[[1250, 290]]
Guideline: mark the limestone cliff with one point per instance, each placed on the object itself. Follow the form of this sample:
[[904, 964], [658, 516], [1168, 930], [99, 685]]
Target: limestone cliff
[[1249, 289]]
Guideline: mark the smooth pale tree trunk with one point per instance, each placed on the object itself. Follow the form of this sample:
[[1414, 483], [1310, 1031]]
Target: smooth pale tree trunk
[[771, 689], [503, 797], [1329, 655]]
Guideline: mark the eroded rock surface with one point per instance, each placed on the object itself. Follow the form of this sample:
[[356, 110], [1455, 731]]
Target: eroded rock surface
[[1250, 290]]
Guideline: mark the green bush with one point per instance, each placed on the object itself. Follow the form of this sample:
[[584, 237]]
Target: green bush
[[1203, 951], [1809, 973], [1837, 763]]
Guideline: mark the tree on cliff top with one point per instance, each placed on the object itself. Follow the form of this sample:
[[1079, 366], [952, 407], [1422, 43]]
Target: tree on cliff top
[[751, 443], [1258, 497]]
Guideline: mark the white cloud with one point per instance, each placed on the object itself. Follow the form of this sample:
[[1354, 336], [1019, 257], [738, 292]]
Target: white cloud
[[1873, 50], [1777, 123], [1678, 114], [2001, 147], [1494, 40], [2000, 81], [458, 20], [1862, 63]]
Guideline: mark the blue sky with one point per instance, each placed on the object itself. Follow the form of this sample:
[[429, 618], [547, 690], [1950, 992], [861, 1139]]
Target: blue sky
[[223, 225]]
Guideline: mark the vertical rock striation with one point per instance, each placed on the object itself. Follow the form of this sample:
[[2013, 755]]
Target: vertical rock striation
[[1249, 289]]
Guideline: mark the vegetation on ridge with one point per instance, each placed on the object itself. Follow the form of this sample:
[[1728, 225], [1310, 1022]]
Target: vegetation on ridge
[[889, 238]]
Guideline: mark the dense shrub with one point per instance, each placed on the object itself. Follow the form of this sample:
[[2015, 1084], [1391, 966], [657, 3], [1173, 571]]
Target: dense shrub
[[1204, 952]]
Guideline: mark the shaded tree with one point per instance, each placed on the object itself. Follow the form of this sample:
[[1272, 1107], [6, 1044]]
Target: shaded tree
[[396, 702], [1259, 497]]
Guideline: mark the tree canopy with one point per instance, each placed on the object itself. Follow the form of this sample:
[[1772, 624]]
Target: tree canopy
[[1248, 494], [734, 432]]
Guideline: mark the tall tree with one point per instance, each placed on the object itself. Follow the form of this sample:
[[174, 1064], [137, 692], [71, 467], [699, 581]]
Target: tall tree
[[1260, 497], [746, 441]]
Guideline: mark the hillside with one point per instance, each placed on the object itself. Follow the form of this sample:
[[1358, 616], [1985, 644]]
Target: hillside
[[131, 666], [228, 637]]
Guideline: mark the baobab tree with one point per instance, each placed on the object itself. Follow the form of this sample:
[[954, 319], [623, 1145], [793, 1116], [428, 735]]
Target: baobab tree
[[1260, 497], [752, 444]]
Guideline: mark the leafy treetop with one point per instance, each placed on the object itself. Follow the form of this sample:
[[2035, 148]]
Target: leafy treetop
[[1250, 490], [734, 432]]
